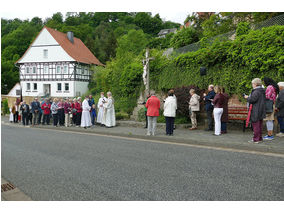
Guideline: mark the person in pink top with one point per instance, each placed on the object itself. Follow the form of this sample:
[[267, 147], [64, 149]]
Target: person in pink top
[[153, 109], [271, 92]]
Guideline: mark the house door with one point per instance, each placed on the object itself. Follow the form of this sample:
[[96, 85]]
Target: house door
[[46, 89]]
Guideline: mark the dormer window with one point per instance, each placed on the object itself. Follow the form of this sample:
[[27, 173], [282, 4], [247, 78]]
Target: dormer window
[[45, 53]]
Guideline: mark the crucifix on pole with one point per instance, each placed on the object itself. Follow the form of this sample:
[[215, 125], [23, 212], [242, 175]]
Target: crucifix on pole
[[146, 71]]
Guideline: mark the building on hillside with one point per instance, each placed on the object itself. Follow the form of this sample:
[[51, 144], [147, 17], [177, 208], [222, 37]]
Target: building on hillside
[[13, 95], [164, 32], [56, 65]]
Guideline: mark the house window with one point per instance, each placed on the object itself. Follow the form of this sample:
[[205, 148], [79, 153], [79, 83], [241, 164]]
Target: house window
[[83, 71], [66, 86], [34, 70], [58, 86], [65, 69], [58, 70], [45, 53], [46, 70], [18, 92], [27, 70], [28, 86], [35, 86]]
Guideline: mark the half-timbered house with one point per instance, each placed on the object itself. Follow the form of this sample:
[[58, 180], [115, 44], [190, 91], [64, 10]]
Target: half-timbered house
[[56, 64]]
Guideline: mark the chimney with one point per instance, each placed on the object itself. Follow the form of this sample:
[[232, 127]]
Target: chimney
[[70, 36]]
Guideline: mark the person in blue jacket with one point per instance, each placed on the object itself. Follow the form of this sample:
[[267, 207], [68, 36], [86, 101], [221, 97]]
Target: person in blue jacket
[[208, 98]]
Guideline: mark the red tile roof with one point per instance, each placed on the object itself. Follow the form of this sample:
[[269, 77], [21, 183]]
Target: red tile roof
[[77, 50]]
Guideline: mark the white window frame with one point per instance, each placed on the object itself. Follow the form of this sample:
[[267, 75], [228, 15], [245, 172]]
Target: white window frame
[[28, 86], [35, 84], [58, 86], [65, 68], [45, 53], [46, 69], [65, 84], [58, 71], [27, 70]]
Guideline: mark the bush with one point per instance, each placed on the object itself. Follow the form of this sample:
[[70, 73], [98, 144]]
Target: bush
[[141, 115], [5, 107], [121, 116]]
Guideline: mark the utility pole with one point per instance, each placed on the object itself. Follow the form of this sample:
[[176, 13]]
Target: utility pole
[[146, 72]]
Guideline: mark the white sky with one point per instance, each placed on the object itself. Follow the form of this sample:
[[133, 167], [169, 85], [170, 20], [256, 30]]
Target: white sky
[[174, 10]]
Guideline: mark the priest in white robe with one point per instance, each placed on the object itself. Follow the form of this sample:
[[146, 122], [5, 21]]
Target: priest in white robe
[[109, 112], [86, 118], [101, 102]]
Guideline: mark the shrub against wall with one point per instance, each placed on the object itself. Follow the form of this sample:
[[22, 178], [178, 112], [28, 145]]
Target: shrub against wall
[[232, 64]]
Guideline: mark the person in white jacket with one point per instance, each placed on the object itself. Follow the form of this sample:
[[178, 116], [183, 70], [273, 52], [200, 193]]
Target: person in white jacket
[[170, 107], [194, 107], [86, 118], [109, 112], [101, 102]]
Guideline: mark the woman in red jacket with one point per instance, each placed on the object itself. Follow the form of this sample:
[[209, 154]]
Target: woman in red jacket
[[153, 108], [78, 108]]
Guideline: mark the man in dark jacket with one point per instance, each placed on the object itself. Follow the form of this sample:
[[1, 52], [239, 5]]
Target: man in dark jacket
[[209, 107], [279, 107], [257, 100], [25, 113], [35, 111]]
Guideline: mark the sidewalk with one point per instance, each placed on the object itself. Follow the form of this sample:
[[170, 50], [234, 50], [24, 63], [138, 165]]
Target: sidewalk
[[12, 194], [234, 139]]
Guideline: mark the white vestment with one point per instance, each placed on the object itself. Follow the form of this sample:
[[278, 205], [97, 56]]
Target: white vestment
[[86, 117], [100, 110], [11, 116], [109, 113]]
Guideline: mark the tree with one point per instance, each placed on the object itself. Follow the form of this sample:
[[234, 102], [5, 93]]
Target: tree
[[184, 37]]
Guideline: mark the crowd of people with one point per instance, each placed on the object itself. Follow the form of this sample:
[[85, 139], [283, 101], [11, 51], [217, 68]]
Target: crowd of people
[[65, 112], [264, 103]]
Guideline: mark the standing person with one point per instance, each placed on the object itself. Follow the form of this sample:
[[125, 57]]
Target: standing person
[[93, 114], [46, 112], [153, 107], [218, 102], [15, 111], [61, 112], [25, 113], [257, 100], [31, 114], [74, 112], [91, 102], [208, 98], [194, 107], [170, 107], [86, 117], [11, 118], [225, 115], [271, 92], [109, 114], [279, 107], [35, 110], [145, 109], [67, 112], [78, 108], [101, 102], [54, 110], [40, 112]]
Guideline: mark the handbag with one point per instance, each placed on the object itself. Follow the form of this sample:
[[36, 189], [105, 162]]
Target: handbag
[[269, 105]]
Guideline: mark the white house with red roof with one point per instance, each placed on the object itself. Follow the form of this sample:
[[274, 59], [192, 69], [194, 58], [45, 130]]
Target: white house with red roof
[[56, 64]]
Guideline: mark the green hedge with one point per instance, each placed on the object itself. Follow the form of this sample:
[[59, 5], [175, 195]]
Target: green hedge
[[232, 64]]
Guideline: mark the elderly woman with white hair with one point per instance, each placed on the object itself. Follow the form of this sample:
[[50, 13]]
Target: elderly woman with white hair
[[78, 107], [258, 113], [109, 112], [280, 109]]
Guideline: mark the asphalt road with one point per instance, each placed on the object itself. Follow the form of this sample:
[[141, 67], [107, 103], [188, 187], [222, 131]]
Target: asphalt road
[[53, 165]]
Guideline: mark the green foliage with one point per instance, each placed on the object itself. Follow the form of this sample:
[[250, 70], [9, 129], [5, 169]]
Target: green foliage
[[160, 43], [184, 37], [141, 115], [232, 64], [121, 116], [5, 107], [243, 28]]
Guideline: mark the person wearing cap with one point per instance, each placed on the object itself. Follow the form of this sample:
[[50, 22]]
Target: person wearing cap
[[279, 108]]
